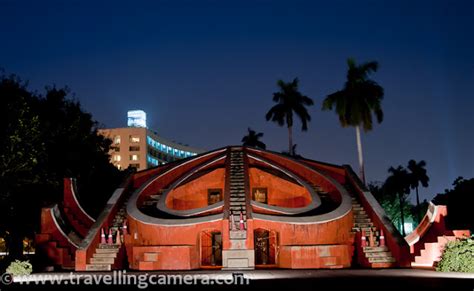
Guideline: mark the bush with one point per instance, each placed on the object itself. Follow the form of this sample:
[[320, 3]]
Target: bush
[[20, 268], [458, 256]]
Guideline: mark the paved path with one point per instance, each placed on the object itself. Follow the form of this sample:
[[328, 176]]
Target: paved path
[[346, 279]]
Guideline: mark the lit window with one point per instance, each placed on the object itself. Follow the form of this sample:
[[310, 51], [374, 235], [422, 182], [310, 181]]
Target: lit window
[[133, 157], [117, 158], [134, 138], [117, 139]]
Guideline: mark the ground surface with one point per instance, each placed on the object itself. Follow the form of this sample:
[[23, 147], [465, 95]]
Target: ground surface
[[388, 279]]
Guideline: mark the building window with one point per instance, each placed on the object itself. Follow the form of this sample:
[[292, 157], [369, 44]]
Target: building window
[[260, 195], [117, 139], [133, 157], [117, 158], [134, 148], [134, 138], [116, 149], [214, 196]]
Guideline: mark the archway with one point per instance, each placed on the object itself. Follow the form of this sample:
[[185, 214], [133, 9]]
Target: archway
[[211, 248], [265, 243]]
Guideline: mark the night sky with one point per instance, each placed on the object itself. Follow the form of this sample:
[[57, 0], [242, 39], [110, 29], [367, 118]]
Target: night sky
[[205, 70]]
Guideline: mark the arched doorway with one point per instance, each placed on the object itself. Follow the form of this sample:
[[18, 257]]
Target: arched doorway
[[265, 243], [211, 248]]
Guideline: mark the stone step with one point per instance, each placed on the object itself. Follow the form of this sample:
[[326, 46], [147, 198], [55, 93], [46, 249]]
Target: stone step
[[382, 260], [369, 224], [102, 251], [357, 208], [363, 220], [102, 260], [105, 255], [378, 254], [359, 212], [375, 249], [360, 216], [94, 267]]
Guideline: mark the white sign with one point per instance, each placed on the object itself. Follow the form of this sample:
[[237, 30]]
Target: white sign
[[136, 118]]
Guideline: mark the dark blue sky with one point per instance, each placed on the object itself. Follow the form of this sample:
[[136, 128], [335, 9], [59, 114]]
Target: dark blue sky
[[205, 70]]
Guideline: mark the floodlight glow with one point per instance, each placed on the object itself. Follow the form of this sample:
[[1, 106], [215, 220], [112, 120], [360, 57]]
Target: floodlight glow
[[136, 118]]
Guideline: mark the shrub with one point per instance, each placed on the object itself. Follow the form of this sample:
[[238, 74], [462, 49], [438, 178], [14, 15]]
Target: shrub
[[458, 256], [20, 268]]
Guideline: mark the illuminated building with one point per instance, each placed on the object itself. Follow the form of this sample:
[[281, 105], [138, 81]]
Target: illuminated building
[[138, 147]]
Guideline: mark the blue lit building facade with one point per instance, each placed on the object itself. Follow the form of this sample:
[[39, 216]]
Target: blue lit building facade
[[138, 147]]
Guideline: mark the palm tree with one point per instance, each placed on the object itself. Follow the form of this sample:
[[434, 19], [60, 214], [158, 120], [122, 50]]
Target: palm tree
[[294, 154], [252, 139], [357, 101], [398, 183], [418, 175], [289, 100]]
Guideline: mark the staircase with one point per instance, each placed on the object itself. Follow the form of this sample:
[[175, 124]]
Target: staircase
[[373, 255], [106, 255], [237, 202], [430, 255], [237, 257]]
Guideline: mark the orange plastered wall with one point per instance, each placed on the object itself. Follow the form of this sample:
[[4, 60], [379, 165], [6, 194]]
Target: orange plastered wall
[[280, 192], [195, 193], [332, 232]]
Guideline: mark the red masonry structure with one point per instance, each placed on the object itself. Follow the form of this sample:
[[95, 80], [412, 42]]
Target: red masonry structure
[[292, 213]]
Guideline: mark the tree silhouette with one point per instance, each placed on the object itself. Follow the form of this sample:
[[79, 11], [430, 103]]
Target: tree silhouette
[[42, 140], [418, 176], [357, 101], [290, 101], [252, 139], [398, 183]]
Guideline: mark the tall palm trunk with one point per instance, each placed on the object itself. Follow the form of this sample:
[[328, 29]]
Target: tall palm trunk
[[290, 140], [361, 157], [418, 214], [402, 216]]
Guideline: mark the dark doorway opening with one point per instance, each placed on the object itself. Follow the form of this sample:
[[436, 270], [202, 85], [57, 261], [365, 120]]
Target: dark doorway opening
[[265, 247], [211, 248]]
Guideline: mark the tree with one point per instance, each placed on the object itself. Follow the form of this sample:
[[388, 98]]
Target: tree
[[43, 140], [252, 139], [290, 101], [355, 104], [459, 201], [293, 153], [418, 176], [398, 183], [21, 150], [74, 149], [391, 204]]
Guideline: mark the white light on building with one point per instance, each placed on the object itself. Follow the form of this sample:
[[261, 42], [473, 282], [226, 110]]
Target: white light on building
[[136, 118]]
